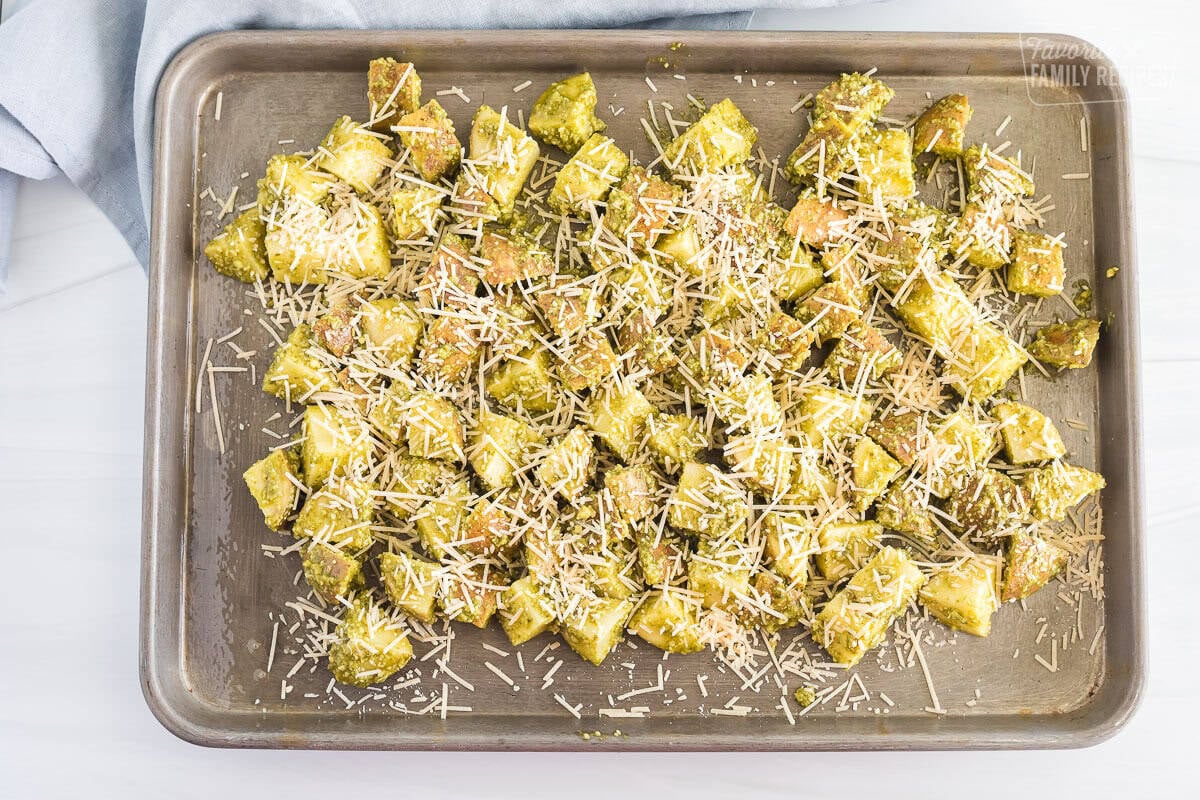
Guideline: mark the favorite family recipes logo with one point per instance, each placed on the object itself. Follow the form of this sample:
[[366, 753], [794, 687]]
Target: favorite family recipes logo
[[1061, 70]]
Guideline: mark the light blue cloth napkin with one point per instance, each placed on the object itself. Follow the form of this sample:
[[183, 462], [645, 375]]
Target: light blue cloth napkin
[[77, 77]]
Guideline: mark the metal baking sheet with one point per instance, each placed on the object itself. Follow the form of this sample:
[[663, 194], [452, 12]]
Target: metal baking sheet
[[207, 588]]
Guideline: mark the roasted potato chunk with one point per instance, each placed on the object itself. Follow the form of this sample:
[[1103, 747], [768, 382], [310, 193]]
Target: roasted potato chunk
[[369, 645], [1067, 345], [565, 114], [941, 128], [274, 483], [964, 595]]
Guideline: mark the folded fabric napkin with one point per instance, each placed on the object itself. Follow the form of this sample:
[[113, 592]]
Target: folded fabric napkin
[[77, 77]]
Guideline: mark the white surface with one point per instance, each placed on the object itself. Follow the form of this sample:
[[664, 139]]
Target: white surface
[[72, 719]]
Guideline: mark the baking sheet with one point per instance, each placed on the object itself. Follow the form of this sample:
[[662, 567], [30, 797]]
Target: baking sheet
[[207, 589]]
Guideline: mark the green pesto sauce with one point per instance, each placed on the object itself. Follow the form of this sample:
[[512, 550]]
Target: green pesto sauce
[[1083, 295]]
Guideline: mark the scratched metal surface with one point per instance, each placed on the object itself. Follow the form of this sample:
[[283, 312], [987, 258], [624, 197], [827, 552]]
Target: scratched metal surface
[[207, 587]]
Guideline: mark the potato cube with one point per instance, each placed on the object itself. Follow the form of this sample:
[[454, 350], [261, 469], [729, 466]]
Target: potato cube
[[900, 432], [524, 382], [763, 461], [787, 340], [290, 253], [732, 298], [291, 178], [613, 568], [588, 176], [721, 138], [449, 349], [498, 448], [415, 481], [330, 572], [512, 327], [873, 471], [415, 212], [667, 620], [778, 604], [936, 308], [618, 417], [295, 372], [334, 330], [675, 438], [392, 328], [885, 166], [862, 350], [1028, 434], [633, 491], [792, 273], [272, 482], [433, 427], [335, 442], [828, 414], [451, 277], [748, 404], [843, 547], [832, 309], [841, 111], [959, 444], [590, 361], [428, 133], [986, 502], [1029, 564], [441, 521], [369, 645], [568, 466], [905, 508], [503, 155], [858, 616], [660, 553], [1066, 345], [569, 308], [983, 362], [719, 573], [991, 174], [386, 412], [708, 502], [354, 154], [941, 128], [714, 360], [393, 90], [816, 221], [411, 583], [641, 286], [855, 98], [340, 513], [1037, 265], [812, 481], [510, 258], [370, 256], [471, 594], [565, 114], [492, 525], [789, 541], [639, 209], [525, 612], [1054, 490], [595, 626], [983, 234], [310, 244], [965, 594], [826, 150], [682, 246], [238, 251]]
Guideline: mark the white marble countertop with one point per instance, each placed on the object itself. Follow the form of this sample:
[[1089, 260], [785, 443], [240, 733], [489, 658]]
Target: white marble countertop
[[72, 350]]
